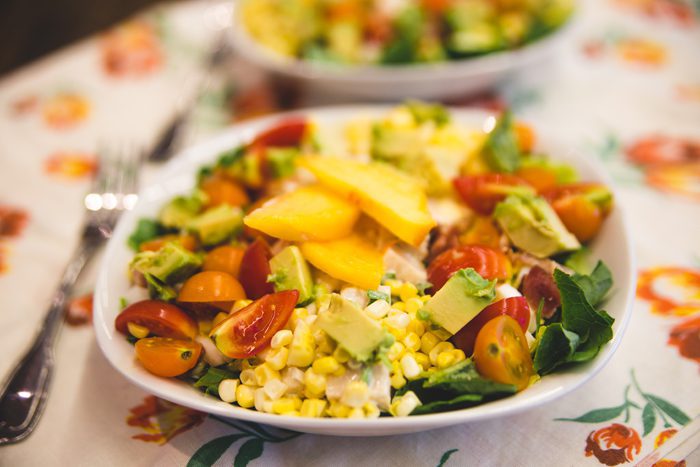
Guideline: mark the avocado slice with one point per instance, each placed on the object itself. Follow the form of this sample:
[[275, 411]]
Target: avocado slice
[[180, 210], [462, 297], [350, 327], [291, 272], [217, 224], [171, 264], [533, 226]]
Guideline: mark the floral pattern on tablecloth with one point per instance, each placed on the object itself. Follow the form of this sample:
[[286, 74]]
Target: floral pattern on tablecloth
[[625, 89]]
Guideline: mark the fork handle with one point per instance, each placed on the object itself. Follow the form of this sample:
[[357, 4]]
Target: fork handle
[[25, 391]]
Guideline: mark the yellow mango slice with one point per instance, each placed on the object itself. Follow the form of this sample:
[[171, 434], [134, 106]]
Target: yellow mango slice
[[307, 213], [351, 259], [390, 197]]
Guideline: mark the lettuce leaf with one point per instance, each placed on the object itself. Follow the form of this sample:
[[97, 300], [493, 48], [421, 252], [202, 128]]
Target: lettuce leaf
[[501, 150]]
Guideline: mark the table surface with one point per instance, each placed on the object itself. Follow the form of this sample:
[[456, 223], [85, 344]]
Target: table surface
[[624, 88]]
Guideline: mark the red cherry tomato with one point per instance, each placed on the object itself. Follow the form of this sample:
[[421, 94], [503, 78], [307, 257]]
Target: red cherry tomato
[[162, 319], [255, 267], [501, 352], [285, 133], [483, 192], [487, 262], [515, 307], [249, 330]]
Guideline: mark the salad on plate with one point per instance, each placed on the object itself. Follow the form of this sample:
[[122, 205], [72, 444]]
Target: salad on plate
[[392, 266], [390, 32]]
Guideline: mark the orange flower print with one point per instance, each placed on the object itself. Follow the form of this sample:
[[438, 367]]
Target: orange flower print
[[680, 179], [661, 438], [162, 420], [641, 51], [12, 221], [71, 164], [79, 310], [670, 290], [65, 110], [25, 104], [688, 92], [131, 49], [678, 11], [686, 336], [614, 444], [3, 258]]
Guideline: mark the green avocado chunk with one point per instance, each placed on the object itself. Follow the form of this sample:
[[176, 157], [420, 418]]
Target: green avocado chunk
[[180, 210], [533, 226], [462, 297], [350, 327], [291, 272], [216, 225], [171, 264]]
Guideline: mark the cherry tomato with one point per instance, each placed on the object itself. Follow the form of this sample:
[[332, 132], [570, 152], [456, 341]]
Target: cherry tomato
[[255, 267], [539, 287], [188, 242], [225, 258], [167, 357], [249, 330], [515, 307], [501, 352], [540, 178], [482, 231], [216, 288], [525, 135], [487, 262], [582, 207], [162, 319], [483, 192], [220, 190], [285, 133]]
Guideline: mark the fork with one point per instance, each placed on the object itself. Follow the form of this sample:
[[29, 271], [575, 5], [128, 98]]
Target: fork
[[25, 391]]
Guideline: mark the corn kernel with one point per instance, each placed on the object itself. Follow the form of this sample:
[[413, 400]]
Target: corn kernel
[[356, 412], [422, 359], [412, 341], [246, 364], [371, 410], [397, 319], [315, 384], [401, 306], [292, 413], [340, 371], [398, 334], [445, 359], [301, 351], [298, 315], [338, 410], [227, 390], [356, 394], [426, 298], [260, 400], [416, 326], [324, 343], [277, 359], [397, 380], [413, 305], [407, 291], [395, 351], [428, 341], [438, 349], [248, 377], [402, 406], [219, 318], [325, 365], [409, 367], [378, 309], [341, 354], [394, 285], [240, 304], [459, 355], [312, 407], [137, 330], [264, 373], [245, 396], [281, 339], [283, 405], [294, 379]]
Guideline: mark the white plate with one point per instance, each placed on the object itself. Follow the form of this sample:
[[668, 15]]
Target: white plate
[[449, 79], [613, 245]]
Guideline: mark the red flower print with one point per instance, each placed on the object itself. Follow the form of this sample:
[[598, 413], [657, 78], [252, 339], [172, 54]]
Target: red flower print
[[664, 436], [65, 110], [131, 49], [162, 420], [12, 221], [79, 310], [3, 258], [641, 51], [686, 336], [671, 290], [676, 10], [688, 92], [25, 104], [663, 150], [71, 164], [614, 444]]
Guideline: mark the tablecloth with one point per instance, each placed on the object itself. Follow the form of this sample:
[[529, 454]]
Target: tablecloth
[[623, 88]]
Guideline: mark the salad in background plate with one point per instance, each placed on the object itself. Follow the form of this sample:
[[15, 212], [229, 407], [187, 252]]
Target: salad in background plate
[[397, 265]]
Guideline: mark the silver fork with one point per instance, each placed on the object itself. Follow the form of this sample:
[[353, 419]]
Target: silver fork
[[25, 391]]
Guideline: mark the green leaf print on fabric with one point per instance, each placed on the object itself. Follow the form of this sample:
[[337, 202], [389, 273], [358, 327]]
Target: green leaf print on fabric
[[597, 415], [648, 418], [210, 452], [445, 457], [250, 450]]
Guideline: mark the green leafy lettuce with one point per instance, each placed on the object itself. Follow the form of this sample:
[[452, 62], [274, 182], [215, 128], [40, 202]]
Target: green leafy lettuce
[[501, 150]]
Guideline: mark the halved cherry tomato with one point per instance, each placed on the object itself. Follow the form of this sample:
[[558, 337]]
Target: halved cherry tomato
[[482, 231], [483, 192], [220, 190], [249, 330], [167, 357], [225, 258], [541, 178], [255, 268], [188, 242], [216, 288], [162, 319], [539, 287], [487, 262], [582, 207], [285, 133], [501, 352], [515, 307]]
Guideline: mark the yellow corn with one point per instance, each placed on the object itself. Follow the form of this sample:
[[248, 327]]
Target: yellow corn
[[247, 364], [326, 365], [426, 298], [245, 396], [356, 412], [445, 359], [281, 339], [277, 358], [137, 330], [312, 407], [341, 354], [371, 410], [459, 355], [264, 373], [413, 304], [438, 349], [301, 351], [422, 359], [428, 341], [402, 406], [340, 371], [338, 410], [356, 394], [407, 291], [395, 286], [284, 405], [227, 390], [275, 389], [297, 315], [397, 380], [324, 343], [240, 304], [314, 383], [398, 334], [395, 351], [412, 341], [248, 377], [401, 306], [410, 367]]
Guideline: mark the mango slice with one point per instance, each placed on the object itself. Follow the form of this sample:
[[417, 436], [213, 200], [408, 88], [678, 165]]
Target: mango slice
[[392, 198], [308, 213], [351, 259]]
